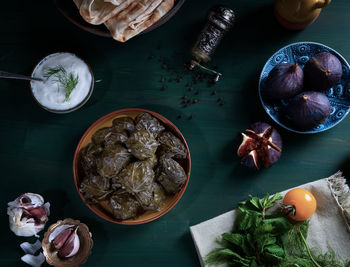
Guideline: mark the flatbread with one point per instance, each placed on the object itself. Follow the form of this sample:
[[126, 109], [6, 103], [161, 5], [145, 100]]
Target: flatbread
[[114, 2], [145, 15], [158, 13], [98, 11], [138, 16]]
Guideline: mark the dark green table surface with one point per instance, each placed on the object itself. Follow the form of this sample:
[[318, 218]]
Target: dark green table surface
[[37, 147]]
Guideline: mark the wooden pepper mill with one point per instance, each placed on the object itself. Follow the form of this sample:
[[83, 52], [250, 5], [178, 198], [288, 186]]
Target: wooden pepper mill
[[298, 14]]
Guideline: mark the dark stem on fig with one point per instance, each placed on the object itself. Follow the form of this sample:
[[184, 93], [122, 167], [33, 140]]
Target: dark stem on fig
[[293, 68]]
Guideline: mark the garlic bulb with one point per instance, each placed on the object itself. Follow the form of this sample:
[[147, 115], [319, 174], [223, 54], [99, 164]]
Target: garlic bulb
[[28, 214]]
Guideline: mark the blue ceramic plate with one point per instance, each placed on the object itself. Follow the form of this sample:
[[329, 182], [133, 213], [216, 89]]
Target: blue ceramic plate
[[338, 95]]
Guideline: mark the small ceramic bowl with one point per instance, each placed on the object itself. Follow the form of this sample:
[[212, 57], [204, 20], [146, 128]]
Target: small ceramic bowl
[[71, 12], [338, 95], [84, 251], [101, 208], [62, 111]]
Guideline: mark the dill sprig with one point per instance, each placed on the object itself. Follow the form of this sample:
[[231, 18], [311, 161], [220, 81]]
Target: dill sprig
[[67, 80]]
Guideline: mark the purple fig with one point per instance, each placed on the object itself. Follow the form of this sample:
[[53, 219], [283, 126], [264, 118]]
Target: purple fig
[[308, 109], [260, 146], [322, 71], [284, 81]]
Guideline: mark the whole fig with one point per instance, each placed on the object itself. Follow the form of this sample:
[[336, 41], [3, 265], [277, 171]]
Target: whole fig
[[322, 71], [284, 81], [259, 146], [308, 109]]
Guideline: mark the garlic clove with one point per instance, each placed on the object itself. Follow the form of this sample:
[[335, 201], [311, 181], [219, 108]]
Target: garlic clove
[[35, 261], [29, 248], [62, 238], [70, 246], [76, 246], [30, 200], [58, 230]]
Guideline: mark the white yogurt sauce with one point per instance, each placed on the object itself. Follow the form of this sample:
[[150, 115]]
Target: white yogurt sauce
[[53, 96]]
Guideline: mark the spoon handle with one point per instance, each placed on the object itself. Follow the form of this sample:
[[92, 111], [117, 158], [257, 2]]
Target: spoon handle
[[8, 75]]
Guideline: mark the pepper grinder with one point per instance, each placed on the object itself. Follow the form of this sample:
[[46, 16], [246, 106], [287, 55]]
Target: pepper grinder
[[221, 20]]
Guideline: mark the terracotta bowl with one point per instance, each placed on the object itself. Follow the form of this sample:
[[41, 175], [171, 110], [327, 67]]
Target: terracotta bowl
[[71, 12], [101, 209]]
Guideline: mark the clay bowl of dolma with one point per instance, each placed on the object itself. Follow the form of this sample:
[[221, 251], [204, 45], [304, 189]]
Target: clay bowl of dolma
[[102, 207], [70, 11]]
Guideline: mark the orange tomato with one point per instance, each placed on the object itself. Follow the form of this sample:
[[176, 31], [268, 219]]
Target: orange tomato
[[299, 204]]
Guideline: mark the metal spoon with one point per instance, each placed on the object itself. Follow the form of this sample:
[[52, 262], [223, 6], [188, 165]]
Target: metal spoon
[[8, 75]]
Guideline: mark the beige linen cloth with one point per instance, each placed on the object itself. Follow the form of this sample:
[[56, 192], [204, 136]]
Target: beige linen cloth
[[329, 226]]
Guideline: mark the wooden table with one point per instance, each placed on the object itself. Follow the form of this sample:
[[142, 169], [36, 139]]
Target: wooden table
[[37, 146]]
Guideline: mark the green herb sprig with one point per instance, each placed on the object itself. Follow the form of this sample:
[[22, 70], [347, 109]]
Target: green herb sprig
[[262, 238], [67, 80]]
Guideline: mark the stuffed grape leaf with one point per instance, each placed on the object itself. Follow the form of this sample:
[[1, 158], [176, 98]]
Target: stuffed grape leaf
[[170, 144], [88, 157], [142, 144], [170, 174], [152, 161], [123, 124], [145, 121], [137, 178], [112, 160], [113, 138], [123, 205], [99, 136], [156, 199], [95, 188]]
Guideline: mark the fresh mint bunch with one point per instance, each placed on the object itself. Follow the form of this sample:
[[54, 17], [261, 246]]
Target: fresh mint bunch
[[266, 239]]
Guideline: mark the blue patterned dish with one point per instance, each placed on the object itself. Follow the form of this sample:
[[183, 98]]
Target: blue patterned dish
[[338, 95]]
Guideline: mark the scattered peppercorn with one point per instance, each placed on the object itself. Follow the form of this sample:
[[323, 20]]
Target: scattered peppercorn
[[163, 88], [220, 99], [162, 80], [195, 101], [197, 92], [214, 92], [222, 103], [190, 89], [184, 97], [188, 84], [179, 116], [191, 117]]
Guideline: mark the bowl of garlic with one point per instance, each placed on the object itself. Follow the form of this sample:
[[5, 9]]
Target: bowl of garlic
[[67, 243]]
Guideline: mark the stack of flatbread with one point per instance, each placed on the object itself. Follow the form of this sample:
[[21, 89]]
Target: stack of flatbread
[[123, 18]]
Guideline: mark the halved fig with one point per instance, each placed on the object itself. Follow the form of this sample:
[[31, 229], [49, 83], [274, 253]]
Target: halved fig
[[260, 146]]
